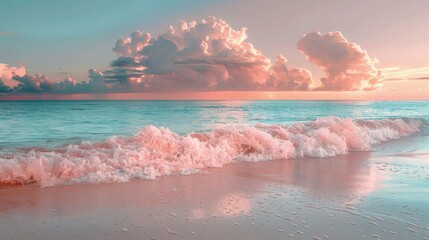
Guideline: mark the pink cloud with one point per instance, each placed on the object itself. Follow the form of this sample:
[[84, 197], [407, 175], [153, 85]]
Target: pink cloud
[[282, 78], [347, 66], [205, 56], [132, 45], [6, 74]]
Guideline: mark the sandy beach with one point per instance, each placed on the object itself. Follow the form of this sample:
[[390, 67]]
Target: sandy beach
[[214, 120], [362, 195]]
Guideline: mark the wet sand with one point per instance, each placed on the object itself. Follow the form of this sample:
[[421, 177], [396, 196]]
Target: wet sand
[[378, 195]]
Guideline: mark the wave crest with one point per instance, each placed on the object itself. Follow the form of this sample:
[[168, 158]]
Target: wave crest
[[154, 152]]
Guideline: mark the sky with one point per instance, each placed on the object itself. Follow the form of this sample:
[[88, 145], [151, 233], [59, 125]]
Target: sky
[[272, 49]]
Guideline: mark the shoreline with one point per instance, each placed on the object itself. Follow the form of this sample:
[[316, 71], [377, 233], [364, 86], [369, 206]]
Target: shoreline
[[357, 195]]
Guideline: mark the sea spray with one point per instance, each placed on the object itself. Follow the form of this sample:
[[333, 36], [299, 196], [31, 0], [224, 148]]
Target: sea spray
[[157, 151]]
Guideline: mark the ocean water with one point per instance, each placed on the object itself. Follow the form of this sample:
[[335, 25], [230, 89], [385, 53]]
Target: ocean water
[[65, 142]]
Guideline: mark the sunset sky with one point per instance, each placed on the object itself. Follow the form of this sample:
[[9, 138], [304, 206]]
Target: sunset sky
[[273, 49]]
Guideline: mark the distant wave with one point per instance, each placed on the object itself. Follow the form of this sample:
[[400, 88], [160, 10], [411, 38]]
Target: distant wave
[[154, 152]]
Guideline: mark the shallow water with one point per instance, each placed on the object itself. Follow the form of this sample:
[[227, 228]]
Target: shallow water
[[362, 195], [54, 123], [376, 194], [55, 143]]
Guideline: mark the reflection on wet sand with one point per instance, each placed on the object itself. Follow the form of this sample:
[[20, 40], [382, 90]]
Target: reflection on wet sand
[[347, 174], [229, 205], [275, 199], [221, 190], [232, 205]]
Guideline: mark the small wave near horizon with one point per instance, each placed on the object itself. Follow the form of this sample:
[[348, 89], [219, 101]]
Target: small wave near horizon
[[157, 151]]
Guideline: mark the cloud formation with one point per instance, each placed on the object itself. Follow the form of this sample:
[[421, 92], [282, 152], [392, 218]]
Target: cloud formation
[[6, 74], [33, 84], [205, 56], [281, 78], [209, 55], [42, 84], [3, 87], [347, 66]]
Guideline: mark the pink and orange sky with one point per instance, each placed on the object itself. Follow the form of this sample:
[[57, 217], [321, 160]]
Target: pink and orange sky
[[304, 50]]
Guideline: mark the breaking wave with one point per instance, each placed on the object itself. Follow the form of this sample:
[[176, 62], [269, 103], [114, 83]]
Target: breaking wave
[[157, 151]]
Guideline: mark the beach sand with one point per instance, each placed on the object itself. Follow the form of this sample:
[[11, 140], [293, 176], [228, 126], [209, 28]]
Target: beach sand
[[362, 195]]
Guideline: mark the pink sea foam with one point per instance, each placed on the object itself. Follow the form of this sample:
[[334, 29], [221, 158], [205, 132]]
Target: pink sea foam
[[154, 152]]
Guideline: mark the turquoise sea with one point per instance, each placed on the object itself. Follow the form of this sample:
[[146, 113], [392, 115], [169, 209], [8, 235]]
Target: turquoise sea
[[54, 123], [67, 142]]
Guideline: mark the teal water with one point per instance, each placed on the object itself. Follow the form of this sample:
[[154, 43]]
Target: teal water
[[55, 123], [346, 179]]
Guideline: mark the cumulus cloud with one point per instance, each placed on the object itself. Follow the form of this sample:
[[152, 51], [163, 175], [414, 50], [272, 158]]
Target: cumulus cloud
[[281, 78], [3, 87], [208, 56], [132, 45], [7, 72], [347, 66], [42, 84], [97, 83], [33, 84]]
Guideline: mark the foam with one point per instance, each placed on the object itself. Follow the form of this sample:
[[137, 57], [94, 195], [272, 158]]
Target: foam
[[156, 151]]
